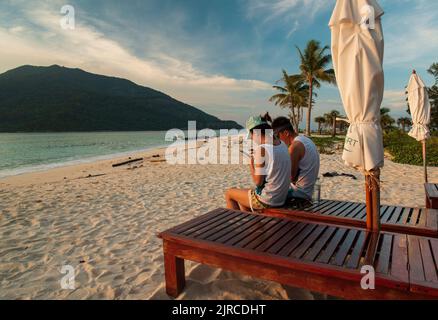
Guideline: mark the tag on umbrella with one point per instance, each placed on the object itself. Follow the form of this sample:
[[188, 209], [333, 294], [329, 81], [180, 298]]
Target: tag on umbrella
[[352, 149]]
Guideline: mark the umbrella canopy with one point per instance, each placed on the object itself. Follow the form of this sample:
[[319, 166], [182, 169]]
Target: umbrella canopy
[[420, 108], [357, 50]]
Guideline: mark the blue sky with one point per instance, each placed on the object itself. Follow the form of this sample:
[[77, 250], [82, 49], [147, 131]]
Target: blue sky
[[222, 56]]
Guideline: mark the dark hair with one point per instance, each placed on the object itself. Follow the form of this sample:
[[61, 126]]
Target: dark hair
[[281, 124], [264, 127]]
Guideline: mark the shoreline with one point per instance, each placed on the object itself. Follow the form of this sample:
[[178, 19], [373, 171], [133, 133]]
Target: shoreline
[[72, 171], [7, 174], [100, 165], [44, 167]]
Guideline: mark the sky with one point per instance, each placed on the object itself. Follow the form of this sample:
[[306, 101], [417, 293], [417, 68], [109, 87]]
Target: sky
[[221, 56]]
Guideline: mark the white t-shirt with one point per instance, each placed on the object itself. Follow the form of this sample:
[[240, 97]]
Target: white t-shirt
[[308, 168], [277, 171]]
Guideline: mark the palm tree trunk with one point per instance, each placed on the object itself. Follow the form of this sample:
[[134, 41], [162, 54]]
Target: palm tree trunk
[[319, 128], [309, 109], [294, 117], [334, 127]]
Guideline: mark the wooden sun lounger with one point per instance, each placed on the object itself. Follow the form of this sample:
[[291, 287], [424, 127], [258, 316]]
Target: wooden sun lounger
[[431, 195], [414, 221], [316, 256]]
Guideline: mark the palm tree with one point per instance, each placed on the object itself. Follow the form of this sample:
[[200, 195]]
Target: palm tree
[[404, 122], [293, 95], [313, 66], [331, 118], [433, 70], [433, 96], [320, 121], [386, 120]]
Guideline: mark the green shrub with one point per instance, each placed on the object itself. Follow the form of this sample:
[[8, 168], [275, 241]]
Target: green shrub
[[326, 145], [407, 150]]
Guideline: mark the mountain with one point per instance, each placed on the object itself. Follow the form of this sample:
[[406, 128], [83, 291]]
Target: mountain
[[54, 99]]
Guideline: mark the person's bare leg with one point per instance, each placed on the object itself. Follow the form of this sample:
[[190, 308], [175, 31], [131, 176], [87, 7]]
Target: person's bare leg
[[237, 199]]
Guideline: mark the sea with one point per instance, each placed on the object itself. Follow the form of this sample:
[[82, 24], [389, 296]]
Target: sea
[[29, 152]]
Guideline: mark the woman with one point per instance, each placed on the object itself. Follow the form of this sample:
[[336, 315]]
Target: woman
[[270, 170]]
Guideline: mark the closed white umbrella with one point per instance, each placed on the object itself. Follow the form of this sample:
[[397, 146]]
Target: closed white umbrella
[[420, 111], [357, 50]]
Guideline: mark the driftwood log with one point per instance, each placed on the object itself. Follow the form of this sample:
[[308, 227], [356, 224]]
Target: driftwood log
[[127, 162]]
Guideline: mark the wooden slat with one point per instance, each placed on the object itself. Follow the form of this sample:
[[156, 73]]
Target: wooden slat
[[385, 254], [227, 237], [225, 226], [414, 217], [387, 215], [277, 236], [383, 209], [338, 209], [345, 248], [320, 205], [352, 214], [350, 210], [302, 249], [189, 224], [289, 237], [328, 207], [332, 209], [316, 249], [226, 214], [422, 218], [432, 218], [430, 267], [399, 263], [292, 245], [332, 246], [211, 225], [404, 216], [432, 190], [347, 207], [265, 229], [229, 229], [416, 270], [242, 235], [356, 254], [267, 235], [396, 215], [434, 248], [358, 213]]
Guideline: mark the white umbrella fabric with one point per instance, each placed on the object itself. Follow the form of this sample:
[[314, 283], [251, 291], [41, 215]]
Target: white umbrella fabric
[[420, 111], [357, 50]]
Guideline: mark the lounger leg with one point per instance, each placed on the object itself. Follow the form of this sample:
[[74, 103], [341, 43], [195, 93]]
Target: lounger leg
[[175, 275]]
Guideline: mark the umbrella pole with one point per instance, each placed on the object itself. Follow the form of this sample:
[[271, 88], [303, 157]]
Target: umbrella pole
[[372, 186], [425, 161], [369, 202]]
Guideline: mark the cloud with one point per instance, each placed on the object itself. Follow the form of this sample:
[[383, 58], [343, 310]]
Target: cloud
[[292, 12], [85, 47], [411, 36]]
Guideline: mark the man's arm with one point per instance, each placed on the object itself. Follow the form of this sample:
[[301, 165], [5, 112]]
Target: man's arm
[[297, 151]]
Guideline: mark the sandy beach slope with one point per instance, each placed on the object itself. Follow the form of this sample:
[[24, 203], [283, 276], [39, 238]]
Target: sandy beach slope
[[106, 226]]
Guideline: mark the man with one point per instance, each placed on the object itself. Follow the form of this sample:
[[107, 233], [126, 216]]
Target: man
[[304, 156]]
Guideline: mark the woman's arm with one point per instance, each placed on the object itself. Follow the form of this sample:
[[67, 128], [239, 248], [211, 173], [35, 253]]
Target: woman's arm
[[257, 164]]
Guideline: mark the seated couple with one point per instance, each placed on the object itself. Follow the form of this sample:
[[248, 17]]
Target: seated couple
[[284, 166]]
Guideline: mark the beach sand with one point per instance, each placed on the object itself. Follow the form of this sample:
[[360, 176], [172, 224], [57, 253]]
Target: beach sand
[[106, 226]]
